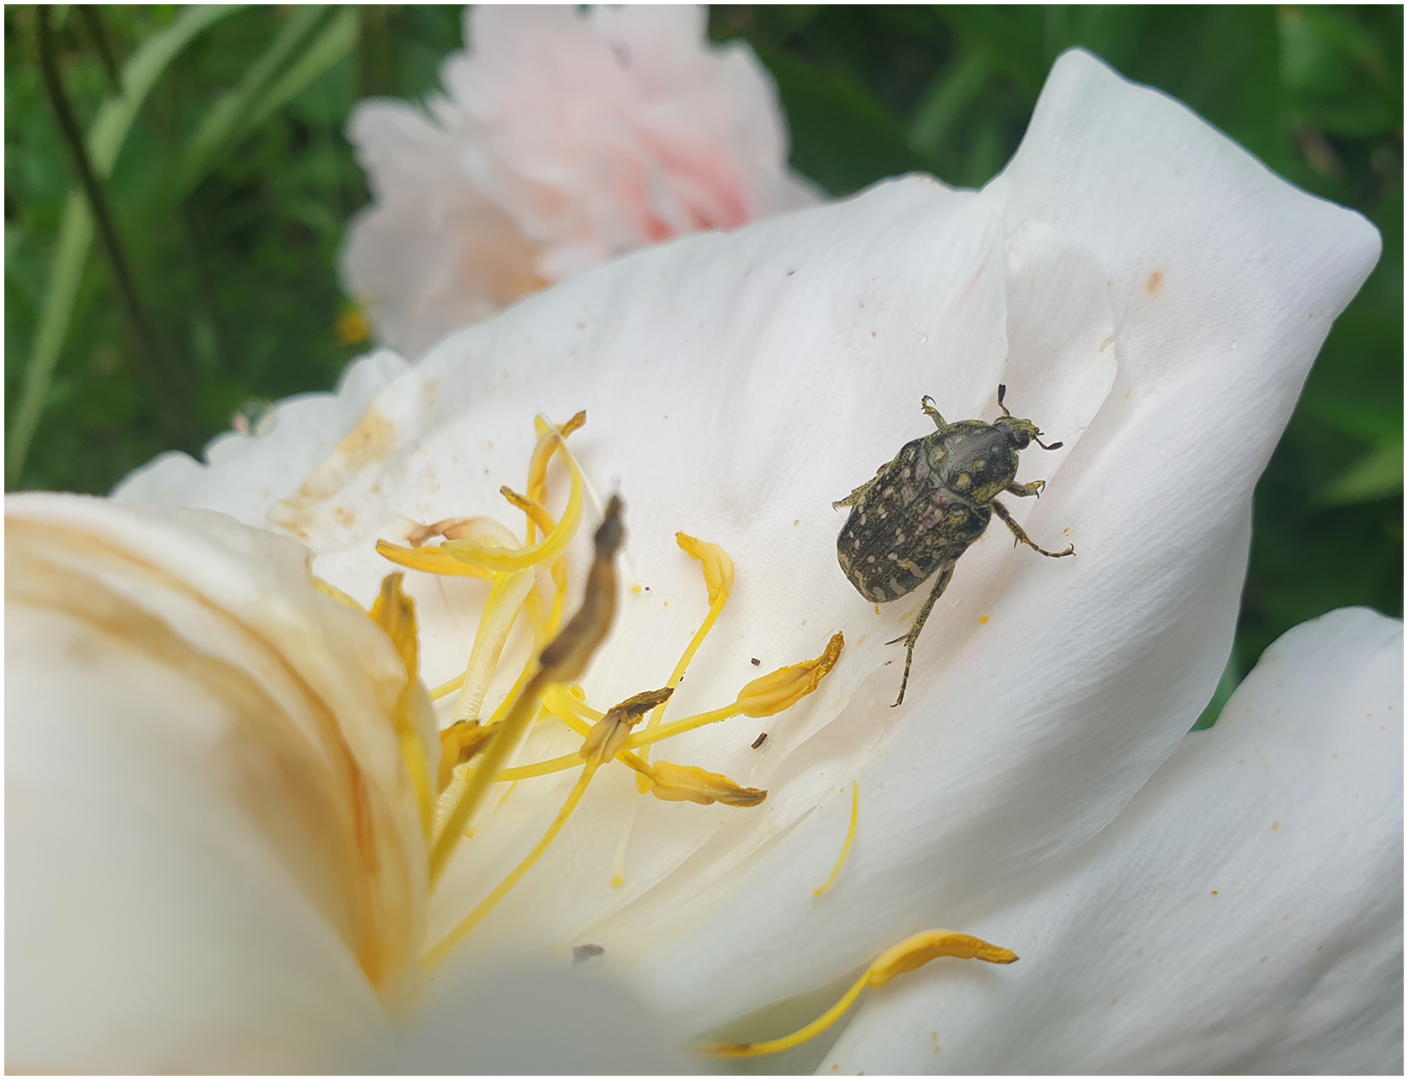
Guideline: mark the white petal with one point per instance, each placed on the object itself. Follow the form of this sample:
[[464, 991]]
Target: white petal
[[245, 476], [537, 1020], [1029, 732], [213, 856], [1243, 914]]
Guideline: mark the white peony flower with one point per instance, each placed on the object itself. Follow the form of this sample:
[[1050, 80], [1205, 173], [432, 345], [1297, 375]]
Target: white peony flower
[[1148, 293], [564, 138]]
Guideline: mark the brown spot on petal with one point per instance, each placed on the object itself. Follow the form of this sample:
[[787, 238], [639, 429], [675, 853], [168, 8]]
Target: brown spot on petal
[[1155, 284], [368, 443]]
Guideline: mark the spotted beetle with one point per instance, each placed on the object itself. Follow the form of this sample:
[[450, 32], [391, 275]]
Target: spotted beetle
[[925, 508]]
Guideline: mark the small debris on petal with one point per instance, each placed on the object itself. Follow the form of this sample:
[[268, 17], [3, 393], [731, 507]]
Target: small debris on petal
[[583, 953]]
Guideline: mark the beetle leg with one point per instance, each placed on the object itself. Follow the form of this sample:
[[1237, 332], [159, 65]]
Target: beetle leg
[[945, 575], [1034, 488], [1022, 537], [859, 493], [855, 496], [931, 411]]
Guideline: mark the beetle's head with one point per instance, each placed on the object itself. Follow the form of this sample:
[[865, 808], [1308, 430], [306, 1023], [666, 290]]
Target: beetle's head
[[1020, 433]]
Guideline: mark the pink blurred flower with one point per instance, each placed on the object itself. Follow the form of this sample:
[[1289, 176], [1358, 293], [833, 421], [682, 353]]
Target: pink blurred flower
[[566, 138]]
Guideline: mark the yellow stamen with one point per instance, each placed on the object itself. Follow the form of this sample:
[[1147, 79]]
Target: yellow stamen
[[718, 580], [543, 630], [458, 744], [509, 592], [430, 561], [786, 686], [538, 514], [909, 954], [687, 783], [475, 917], [573, 713], [762, 697], [850, 838], [608, 736], [504, 558], [395, 613], [445, 689], [679, 727], [542, 453], [796, 681], [563, 661]]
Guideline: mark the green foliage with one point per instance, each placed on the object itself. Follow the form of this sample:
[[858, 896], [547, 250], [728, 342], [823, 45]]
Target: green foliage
[[218, 136]]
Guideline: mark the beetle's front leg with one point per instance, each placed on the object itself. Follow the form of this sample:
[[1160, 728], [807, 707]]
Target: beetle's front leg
[[932, 412], [945, 575], [1024, 490], [1023, 538]]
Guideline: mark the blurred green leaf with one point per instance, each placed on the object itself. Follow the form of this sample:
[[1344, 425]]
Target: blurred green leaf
[[1377, 475], [841, 137], [1011, 39], [950, 95], [1337, 74]]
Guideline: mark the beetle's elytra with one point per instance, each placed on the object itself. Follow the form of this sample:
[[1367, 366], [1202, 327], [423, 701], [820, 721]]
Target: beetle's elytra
[[925, 508]]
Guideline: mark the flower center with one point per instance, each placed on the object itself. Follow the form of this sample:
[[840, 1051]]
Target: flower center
[[475, 753]]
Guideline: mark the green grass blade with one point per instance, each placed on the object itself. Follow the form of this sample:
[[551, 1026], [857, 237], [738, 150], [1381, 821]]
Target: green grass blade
[[233, 114], [333, 44], [111, 125], [105, 138], [75, 238], [1376, 475]]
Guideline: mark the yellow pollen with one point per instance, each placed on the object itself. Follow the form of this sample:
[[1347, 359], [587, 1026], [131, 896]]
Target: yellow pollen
[[909, 954], [352, 326], [846, 847]]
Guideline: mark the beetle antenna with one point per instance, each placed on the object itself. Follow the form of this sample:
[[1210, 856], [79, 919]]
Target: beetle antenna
[[1053, 446], [1002, 393]]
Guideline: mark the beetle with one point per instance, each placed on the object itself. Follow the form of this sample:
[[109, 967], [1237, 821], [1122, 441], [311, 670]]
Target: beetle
[[925, 508]]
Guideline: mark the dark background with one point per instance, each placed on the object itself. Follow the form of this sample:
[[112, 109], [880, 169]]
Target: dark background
[[210, 284]]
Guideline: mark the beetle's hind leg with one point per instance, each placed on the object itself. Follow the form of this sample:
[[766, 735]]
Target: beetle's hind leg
[[1023, 538], [945, 575], [860, 492]]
